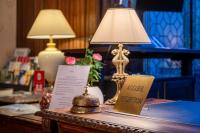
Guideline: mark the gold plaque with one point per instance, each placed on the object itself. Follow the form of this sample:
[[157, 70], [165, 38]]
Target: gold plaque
[[133, 94]]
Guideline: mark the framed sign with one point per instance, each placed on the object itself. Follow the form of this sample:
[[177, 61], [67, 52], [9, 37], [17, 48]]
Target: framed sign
[[133, 94]]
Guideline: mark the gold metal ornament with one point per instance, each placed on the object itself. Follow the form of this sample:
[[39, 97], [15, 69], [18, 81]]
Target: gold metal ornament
[[120, 61], [85, 103]]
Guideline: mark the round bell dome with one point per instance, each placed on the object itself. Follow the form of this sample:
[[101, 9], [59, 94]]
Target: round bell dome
[[85, 103]]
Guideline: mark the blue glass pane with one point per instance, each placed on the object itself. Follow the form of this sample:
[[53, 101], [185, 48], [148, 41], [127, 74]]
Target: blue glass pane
[[196, 45], [167, 28], [171, 30]]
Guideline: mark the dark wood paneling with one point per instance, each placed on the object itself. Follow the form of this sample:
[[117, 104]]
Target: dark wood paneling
[[75, 14], [38, 45], [24, 21], [26, 13], [92, 9], [53, 4], [19, 23], [82, 15]]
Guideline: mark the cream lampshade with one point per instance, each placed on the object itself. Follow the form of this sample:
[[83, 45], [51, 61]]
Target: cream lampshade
[[120, 26], [50, 24]]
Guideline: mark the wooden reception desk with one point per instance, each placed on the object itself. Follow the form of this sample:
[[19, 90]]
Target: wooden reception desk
[[110, 122], [21, 124], [61, 120]]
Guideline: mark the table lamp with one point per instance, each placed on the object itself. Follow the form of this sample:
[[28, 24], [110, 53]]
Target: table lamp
[[50, 24], [120, 26]]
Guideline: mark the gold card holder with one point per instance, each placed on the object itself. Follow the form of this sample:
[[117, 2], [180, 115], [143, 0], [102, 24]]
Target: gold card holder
[[133, 94]]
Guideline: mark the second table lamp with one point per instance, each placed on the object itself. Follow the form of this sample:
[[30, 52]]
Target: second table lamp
[[120, 26], [50, 24]]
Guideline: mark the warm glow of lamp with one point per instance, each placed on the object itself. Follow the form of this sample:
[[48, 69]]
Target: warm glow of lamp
[[120, 26], [50, 24]]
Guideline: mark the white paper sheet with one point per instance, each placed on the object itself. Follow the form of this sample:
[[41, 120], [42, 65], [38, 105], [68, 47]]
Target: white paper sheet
[[70, 82]]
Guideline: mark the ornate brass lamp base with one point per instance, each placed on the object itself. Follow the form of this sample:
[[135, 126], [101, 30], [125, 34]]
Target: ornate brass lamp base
[[120, 61]]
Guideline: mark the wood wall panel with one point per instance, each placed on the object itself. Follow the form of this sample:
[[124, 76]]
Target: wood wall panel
[[26, 14], [47, 4], [75, 14], [82, 15], [91, 23], [38, 44]]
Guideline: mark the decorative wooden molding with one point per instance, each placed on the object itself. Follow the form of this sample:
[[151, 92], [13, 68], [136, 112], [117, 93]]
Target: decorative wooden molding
[[99, 125], [112, 122], [46, 125]]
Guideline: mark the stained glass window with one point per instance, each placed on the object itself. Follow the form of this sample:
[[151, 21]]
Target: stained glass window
[[169, 30]]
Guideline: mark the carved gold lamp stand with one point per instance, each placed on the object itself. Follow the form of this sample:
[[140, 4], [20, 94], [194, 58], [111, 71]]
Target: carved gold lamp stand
[[120, 61]]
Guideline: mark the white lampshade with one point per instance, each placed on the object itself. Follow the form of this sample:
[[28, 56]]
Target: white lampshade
[[50, 22], [120, 25]]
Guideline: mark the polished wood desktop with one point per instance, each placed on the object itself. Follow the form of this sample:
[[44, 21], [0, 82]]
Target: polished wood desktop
[[111, 122], [61, 120]]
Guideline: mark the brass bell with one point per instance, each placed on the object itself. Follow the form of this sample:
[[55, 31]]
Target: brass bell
[[85, 103]]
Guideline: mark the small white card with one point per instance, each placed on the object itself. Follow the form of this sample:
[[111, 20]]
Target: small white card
[[21, 52], [70, 82], [11, 66]]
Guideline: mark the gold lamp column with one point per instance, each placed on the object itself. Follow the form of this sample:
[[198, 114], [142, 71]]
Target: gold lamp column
[[50, 24], [120, 26]]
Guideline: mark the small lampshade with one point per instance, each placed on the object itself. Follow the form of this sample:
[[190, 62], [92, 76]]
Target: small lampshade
[[120, 25], [50, 22]]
